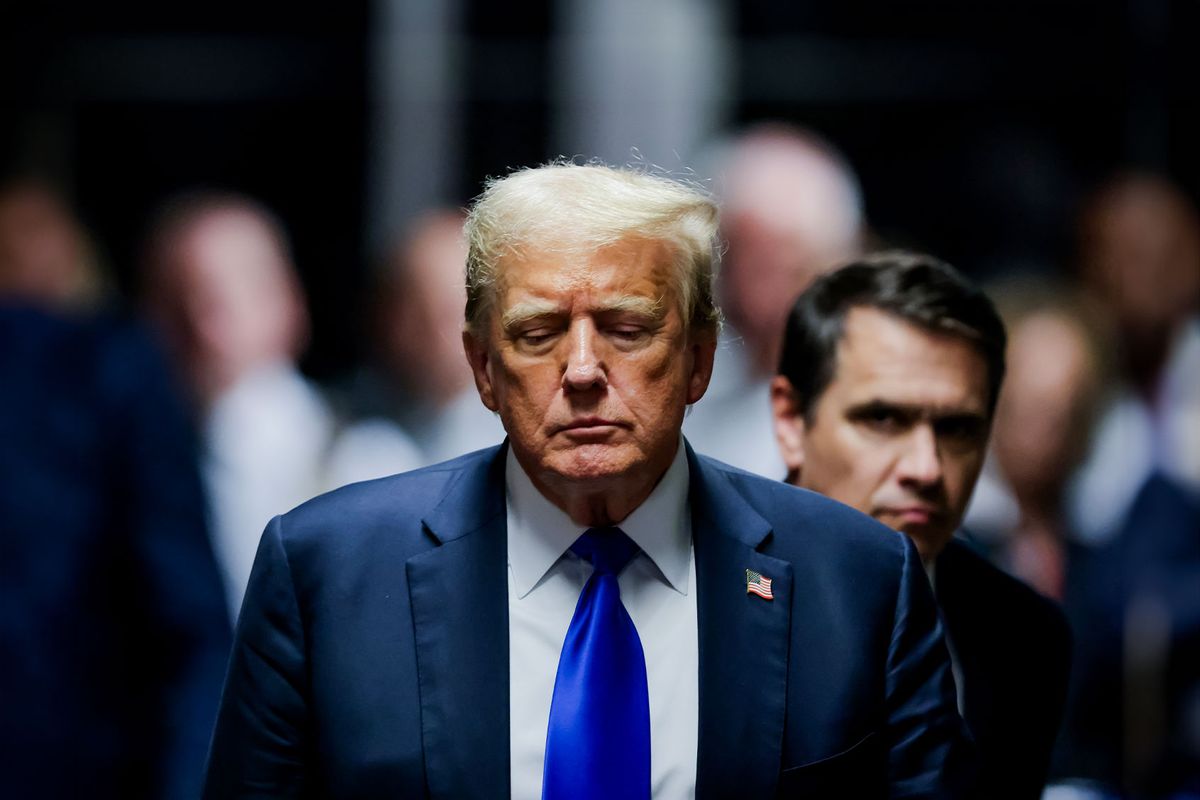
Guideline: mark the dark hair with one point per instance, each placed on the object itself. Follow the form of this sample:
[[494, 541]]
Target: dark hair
[[914, 287]]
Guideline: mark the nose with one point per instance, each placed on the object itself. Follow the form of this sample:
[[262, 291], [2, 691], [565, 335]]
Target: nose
[[921, 464], [584, 369]]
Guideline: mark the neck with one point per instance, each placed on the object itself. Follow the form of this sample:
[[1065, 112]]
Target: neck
[[598, 502], [594, 505], [597, 511]]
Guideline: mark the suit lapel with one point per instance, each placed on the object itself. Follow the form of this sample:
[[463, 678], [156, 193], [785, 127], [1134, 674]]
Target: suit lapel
[[459, 601], [744, 642]]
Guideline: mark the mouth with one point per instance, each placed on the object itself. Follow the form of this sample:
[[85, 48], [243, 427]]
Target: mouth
[[916, 515], [590, 427]]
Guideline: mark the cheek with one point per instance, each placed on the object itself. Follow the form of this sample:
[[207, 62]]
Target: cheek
[[830, 462], [864, 479], [671, 372], [651, 388], [862, 469], [961, 476], [525, 391]]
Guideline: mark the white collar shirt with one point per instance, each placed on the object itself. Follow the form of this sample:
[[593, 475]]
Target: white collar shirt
[[657, 589]]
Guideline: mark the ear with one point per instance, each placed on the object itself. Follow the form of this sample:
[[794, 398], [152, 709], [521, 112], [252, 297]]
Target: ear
[[703, 351], [481, 367], [789, 426]]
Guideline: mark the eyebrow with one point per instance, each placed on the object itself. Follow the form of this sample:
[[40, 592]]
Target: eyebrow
[[633, 304], [533, 309], [915, 410], [525, 311]]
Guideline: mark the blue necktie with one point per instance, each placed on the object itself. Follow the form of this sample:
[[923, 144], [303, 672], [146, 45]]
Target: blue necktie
[[598, 739]]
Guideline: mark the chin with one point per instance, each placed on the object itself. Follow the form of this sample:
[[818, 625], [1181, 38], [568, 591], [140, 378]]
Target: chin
[[592, 462]]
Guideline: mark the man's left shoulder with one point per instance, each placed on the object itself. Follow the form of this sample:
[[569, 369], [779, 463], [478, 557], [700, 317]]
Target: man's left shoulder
[[807, 526]]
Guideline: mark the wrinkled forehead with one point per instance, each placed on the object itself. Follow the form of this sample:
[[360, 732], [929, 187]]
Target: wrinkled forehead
[[567, 266]]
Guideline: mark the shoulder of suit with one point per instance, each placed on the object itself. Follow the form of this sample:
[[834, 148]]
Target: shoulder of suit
[[801, 519], [392, 507]]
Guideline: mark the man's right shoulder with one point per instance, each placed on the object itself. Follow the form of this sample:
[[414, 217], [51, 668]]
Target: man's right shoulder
[[381, 515]]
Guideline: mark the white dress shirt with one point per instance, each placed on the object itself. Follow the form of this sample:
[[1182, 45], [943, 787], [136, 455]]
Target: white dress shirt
[[657, 589], [265, 443]]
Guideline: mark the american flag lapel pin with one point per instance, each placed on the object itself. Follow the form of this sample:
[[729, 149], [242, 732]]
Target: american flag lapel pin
[[759, 584]]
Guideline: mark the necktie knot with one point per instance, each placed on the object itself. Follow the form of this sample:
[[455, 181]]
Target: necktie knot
[[608, 550]]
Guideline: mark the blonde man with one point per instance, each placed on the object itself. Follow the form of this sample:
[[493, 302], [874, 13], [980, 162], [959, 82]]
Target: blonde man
[[591, 609]]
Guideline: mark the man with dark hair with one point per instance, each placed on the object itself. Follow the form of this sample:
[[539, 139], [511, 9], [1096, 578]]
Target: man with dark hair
[[889, 375]]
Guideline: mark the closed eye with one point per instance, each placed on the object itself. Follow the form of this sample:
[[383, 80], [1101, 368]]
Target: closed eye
[[537, 339], [627, 333], [628, 329]]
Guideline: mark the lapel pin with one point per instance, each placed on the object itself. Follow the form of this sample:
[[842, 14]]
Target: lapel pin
[[757, 583]]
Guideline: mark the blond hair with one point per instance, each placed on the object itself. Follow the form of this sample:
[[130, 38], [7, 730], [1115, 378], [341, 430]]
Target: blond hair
[[586, 207]]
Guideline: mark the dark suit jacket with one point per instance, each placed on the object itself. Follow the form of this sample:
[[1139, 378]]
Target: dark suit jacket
[[114, 633], [371, 658], [1013, 650], [1153, 558]]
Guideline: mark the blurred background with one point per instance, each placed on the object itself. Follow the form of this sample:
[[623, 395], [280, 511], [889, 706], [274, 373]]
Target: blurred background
[[973, 127], [229, 232]]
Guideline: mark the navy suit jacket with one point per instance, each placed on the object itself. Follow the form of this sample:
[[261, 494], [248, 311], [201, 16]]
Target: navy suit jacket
[[114, 632], [1013, 648], [371, 657]]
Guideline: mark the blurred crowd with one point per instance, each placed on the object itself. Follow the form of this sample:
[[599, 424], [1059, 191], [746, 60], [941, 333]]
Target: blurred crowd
[[148, 440]]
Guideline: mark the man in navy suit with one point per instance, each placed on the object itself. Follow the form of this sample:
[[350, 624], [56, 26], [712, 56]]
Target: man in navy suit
[[435, 633], [890, 372]]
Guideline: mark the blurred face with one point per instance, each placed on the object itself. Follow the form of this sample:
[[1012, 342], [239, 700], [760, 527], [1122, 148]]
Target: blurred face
[[764, 269], [789, 215], [1142, 255], [229, 301], [1041, 419], [901, 430], [41, 248], [588, 362], [422, 309]]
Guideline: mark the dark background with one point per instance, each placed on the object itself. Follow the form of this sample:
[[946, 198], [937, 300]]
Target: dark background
[[975, 127]]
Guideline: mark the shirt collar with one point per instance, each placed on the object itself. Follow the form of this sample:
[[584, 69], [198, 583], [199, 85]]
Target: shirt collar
[[539, 532]]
